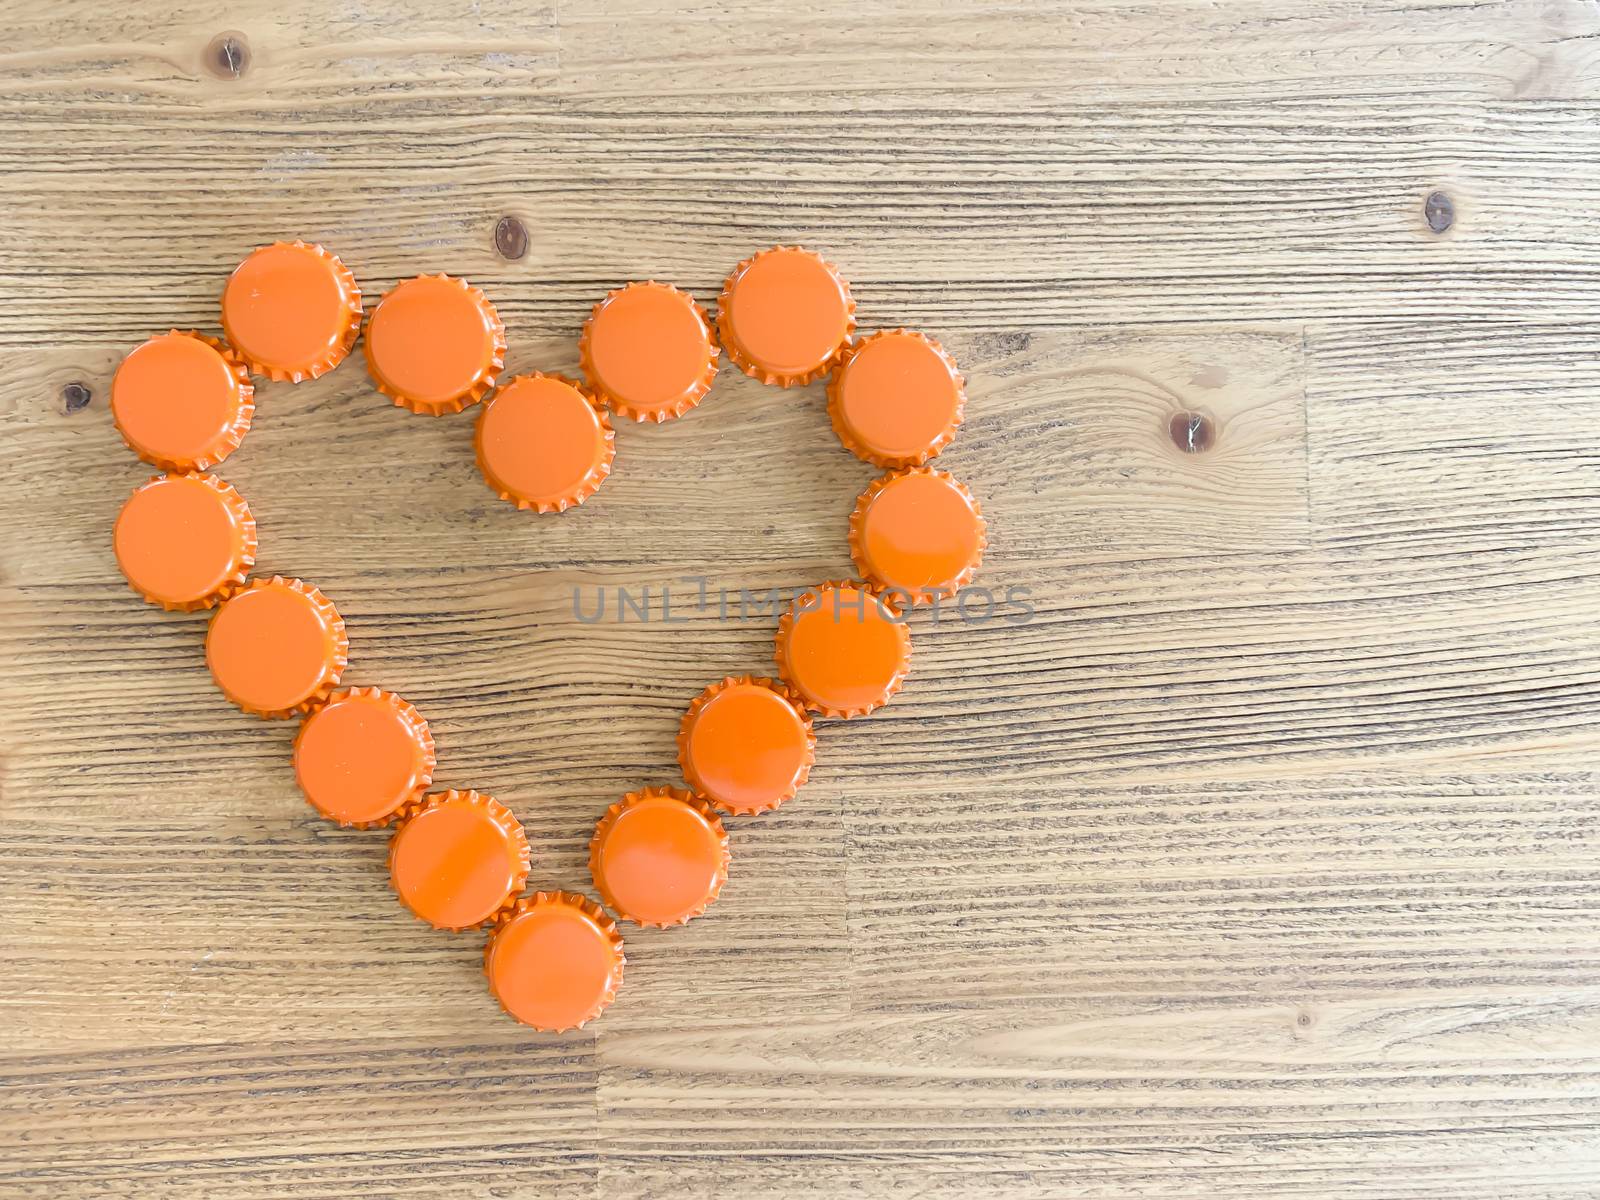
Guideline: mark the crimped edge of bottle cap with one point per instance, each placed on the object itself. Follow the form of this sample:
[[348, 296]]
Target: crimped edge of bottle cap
[[749, 366], [414, 720], [786, 629], [652, 793], [608, 928], [486, 378], [698, 704], [500, 813], [924, 595], [341, 647], [697, 391], [247, 557], [849, 438], [591, 482], [229, 439], [324, 363]]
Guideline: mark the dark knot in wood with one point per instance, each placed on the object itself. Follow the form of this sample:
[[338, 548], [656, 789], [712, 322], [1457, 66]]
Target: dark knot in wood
[[1191, 431], [511, 238], [228, 55], [1440, 211], [75, 397]]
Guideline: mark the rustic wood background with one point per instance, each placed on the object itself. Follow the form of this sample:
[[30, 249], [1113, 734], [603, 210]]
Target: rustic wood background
[[1260, 863]]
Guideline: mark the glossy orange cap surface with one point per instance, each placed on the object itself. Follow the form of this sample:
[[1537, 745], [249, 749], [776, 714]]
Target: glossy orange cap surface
[[659, 857], [648, 353], [746, 744], [292, 311], [542, 444], [457, 859], [785, 315], [182, 401], [554, 961], [185, 541], [435, 344], [896, 399], [843, 649], [363, 756], [276, 647], [917, 532]]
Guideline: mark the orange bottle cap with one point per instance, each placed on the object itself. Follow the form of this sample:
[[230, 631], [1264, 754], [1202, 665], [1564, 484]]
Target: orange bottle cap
[[457, 859], [542, 443], [292, 311], [917, 532], [896, 399], [182, 401], [648, 353], [785, 315], [363, 756], [185, 541], [746, 744], [844, 649], [659, 856], [435, 344], [276, 647], [554, 961]]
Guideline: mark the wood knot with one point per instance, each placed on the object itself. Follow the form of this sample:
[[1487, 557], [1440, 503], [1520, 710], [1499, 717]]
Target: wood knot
[[1192, 432], [75, 397], [1440, 211], [511, 238], [228, 55]]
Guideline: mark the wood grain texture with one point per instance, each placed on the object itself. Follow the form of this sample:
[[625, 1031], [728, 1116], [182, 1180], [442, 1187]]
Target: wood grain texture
[[1246, 849]]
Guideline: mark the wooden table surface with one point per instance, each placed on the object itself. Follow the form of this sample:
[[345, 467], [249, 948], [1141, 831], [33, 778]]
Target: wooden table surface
[[1251, 852]]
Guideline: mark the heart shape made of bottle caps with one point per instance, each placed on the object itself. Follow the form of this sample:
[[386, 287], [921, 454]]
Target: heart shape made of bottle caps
[[434, 344]]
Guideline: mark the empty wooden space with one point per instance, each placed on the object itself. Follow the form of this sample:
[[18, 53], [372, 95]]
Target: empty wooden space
[[1248, 849]]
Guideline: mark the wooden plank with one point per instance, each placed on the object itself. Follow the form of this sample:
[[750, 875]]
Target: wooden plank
[[1456, 437], [1357, 885], [1001, 220], [848, 52], [1432, 1093], [305, 57], [85, 56], [378, 1115]]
